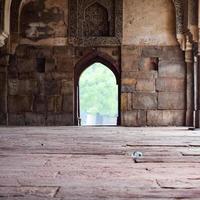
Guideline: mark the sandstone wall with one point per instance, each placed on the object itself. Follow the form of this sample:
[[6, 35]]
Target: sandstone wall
[[41, 98], [149, 22], [153, 86], [153, 68], [152, 64]]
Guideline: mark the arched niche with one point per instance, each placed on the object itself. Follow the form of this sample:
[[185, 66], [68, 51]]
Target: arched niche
[[96, 21], [85, 62]]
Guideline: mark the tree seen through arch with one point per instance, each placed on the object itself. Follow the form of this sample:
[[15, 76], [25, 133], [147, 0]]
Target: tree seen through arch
[[98, 96]]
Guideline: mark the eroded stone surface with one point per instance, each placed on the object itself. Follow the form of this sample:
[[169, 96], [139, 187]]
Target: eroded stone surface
[[57, 163]]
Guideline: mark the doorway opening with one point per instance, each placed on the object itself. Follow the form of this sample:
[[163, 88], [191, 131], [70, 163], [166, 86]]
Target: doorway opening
[[98, 96]]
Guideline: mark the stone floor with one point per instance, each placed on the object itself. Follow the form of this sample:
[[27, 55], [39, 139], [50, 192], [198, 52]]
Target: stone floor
[[93, 163]]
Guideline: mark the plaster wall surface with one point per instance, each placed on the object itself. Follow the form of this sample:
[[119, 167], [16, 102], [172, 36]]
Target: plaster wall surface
[[149, 22]]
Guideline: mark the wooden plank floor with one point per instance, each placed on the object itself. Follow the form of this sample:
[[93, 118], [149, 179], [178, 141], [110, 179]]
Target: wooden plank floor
[[95, 163]]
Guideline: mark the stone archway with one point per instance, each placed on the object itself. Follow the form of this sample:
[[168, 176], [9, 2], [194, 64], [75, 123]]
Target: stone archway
[[84, 63]]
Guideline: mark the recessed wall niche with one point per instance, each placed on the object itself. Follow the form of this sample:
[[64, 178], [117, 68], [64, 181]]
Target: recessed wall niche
[[95, 22]]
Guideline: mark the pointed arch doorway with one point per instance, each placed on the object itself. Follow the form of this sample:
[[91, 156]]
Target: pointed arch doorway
[[97, 91]]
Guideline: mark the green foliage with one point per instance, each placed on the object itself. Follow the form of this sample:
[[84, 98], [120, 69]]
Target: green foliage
[[98, 91]]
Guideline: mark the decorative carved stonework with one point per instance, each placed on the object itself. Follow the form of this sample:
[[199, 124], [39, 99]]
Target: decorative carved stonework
[[95, 22], [179, 6], [1, 15], [3, 37]]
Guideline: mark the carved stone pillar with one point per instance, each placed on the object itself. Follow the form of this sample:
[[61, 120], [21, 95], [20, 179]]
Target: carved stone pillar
[[193, 19], [180, 29]]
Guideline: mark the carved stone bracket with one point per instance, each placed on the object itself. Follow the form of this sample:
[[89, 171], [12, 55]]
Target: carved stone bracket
[[3, 37]]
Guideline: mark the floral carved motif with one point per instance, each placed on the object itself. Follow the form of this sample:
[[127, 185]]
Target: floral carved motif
[[95, 22]]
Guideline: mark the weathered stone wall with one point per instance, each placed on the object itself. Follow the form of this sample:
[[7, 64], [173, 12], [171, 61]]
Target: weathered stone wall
[[153, 68], [153, 86], [40, 83], [149, 22], [41, 98]]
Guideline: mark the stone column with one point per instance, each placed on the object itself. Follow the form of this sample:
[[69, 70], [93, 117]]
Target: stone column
[[192, 39], [197, 115], [189, 83], [3, 88]]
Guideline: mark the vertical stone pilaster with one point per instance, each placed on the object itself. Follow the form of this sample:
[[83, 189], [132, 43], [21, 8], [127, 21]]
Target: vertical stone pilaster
[[180, 28], [3, 88], [193, 19], [189, 83], [197, 113]]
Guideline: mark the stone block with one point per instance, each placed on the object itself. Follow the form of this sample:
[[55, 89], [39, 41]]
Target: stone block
[[59, 76], [130, 62], [4, 61], [131, 49], [12, 67], [140, 75], [20, 104], [67, 87], [134, 118], [40, 104], [152, 51], [149, 64], [129, 81], [171, 100], [129, 118], [64, 51], [165, 118], [16, 120], [142, 118], [145, 85], [113, 52], [50, 65], [54, 103], [65, 64], [144, 101], [59, 119], [124, 102], [35, 52], [2, 82], [171, 69], [2, 102], [2, 119], [52, 87], [172, 53], [68, 103], [128, 88], [22, 87], [26, 65], [170, 84], [26, 75], [21, 50], [32, 119]]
